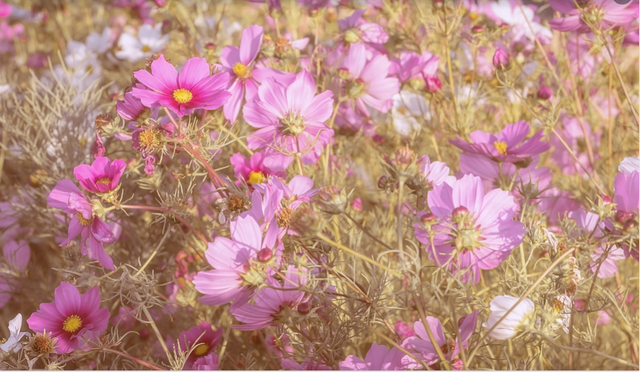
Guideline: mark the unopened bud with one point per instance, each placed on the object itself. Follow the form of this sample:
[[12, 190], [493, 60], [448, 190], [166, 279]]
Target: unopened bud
[[477, 29], [404, 157], [434, 85], [332, 199], [304, 308], [501, 60], [460, 211], [343, 73], [265, 255], [545, 93], [428, 218]]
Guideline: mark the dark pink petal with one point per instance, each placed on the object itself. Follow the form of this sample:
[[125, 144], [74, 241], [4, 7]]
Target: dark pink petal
[[193, 71], [67, 299]]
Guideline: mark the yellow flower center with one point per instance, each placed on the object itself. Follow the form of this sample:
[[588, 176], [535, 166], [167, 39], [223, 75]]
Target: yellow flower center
[[103, 181], [201, 350], [501, 146], [351, 36], [146, 49], [83, 221], [256, 177], [241, 71], [2, 340], [182, 95], [150, 138], [473, 16], [72, 324]]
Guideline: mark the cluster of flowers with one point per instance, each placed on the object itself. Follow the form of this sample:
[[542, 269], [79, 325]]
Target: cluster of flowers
[[272, 244]]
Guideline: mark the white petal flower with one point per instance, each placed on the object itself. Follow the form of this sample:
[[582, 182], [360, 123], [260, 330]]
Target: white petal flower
[[514, 322], [409, 111], [629, 165], [149, 41], [13, 342]]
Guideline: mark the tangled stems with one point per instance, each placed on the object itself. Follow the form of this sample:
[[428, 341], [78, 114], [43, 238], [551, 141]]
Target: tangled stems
[[515, 305], [170, 212]]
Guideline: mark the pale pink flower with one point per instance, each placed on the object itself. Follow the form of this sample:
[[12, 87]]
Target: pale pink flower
[[592, 13], [240, 64], [275, 304], [474, 231], [378, 358], [193, 88], [356, 29], [424, 349], [627, 198], [290, 120], [368, 83], [241, 264], [252, 170]]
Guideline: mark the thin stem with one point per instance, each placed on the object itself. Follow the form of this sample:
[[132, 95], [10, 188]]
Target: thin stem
[[139, 361], [174, 215]]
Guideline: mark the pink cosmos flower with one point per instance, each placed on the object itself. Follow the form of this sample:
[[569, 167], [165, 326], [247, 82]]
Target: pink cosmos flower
[[378, 358], [597, 13], [421, 343], [574, 136], [130, 107], [275, 303], [584, 58], [507, 146], [240, 264], [435, 172], [93, 231], [252, 170], [410, 65], [474, 231], [590, 225], [627, 198], [102, 176], [72, 318], [368, 82], [290, 120], [193, 88], [206, 340], [240, 63], [17, 255], [356, 29]]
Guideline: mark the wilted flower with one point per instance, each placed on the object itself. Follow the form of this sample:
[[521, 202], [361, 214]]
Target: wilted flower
[[12, 344]]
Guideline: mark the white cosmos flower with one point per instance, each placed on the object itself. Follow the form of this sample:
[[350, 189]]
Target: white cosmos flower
[[13, 342], [99, 43], [513, 16], [149, 40], [629, 165], [514, 322], [409, 112]]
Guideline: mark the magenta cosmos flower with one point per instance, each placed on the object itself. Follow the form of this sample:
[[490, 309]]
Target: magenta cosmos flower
[[474, 231], [597, 13], [410, 65], [274, 304], [193, 88], [240, 63], [378, 358], [368, 83], [240, 264], [252, 170], [93, 231], [290, 120], [507, 146], [424, 349], [72, 318], [102, 176], [130, 108], [206, 340]]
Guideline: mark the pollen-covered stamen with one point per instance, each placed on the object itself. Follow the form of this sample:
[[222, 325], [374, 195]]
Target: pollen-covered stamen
[[2, 340], [293, 124], [501, 146], [150, 138], [448, 346], [72, 324], [182, 95], [201, 350], [103, 181], [83, 221], [241, 71], [254, 274], [146, 49], [284, 217], [256, 177], [351, 36], [592, 14]]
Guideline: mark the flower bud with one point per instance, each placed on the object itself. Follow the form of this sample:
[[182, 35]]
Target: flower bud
[[332, 199], [460, 211], [428, 218], [383, 181], [265, 255], [545, 93], [501, 60], [404, 157], [434, 85], [160, 3], [438, 5], [304, 308], [477, 29]]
